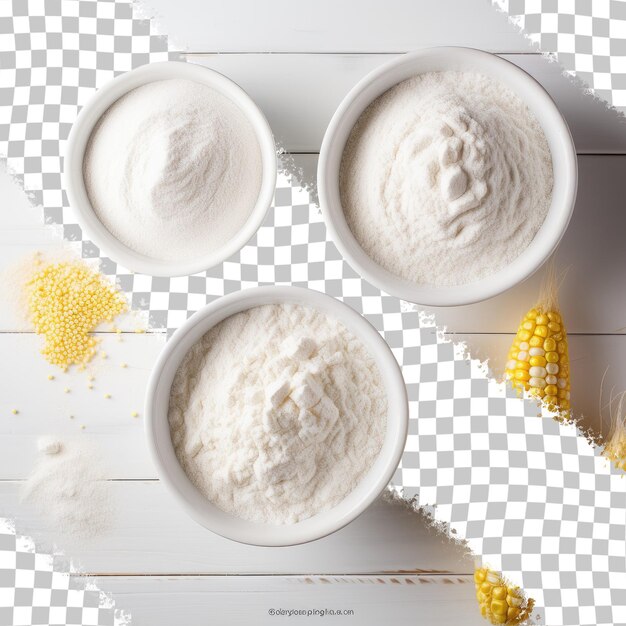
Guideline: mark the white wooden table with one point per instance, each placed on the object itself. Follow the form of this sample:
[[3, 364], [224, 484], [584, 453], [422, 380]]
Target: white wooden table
[[297, 60]]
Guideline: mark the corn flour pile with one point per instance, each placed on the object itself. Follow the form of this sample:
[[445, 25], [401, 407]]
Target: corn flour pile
[[68, 488], [173, 169], [446, 178], [277, 413]]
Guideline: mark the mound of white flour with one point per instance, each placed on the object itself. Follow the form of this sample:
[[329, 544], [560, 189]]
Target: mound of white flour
[[173, 169], [446, 178], [277, 413], [68, 487]]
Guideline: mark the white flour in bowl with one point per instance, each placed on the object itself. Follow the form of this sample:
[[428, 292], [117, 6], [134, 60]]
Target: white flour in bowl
[[446, 178], [277, 413], [173, 169]]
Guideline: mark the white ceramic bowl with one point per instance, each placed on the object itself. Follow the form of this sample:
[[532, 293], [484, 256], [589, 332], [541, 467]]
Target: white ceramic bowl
[[89, 116], [190, 498], [433, 60]]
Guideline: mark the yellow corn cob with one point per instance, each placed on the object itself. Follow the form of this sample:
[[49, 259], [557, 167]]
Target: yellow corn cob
[[499, 602], [538, 360], [615, 448]]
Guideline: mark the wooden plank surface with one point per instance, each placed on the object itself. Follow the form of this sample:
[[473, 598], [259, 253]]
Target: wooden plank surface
[[419, 600], [120, 437], [300, 92], [47, 411], [153, 535], [330, 26]]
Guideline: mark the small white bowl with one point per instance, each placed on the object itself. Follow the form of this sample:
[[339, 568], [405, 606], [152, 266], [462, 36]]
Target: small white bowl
[[538, 101], [89, 116], [192, 500]]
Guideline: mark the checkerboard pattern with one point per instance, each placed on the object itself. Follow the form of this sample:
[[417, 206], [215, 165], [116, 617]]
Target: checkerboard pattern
[[530, 495], [587, 36], [36, 589]]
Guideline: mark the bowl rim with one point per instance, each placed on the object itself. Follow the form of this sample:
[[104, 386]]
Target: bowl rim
[[189, 497], [82, 129], [377, 82]]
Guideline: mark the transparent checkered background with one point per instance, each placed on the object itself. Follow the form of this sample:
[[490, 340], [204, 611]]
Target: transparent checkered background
[[36, 589], [588, 38], [530, 495]]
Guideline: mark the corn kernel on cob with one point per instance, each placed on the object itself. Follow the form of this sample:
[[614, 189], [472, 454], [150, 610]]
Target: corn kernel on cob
[[499, 602], [538, 360]]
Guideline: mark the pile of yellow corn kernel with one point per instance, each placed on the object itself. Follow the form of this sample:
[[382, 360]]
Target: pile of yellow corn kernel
[[539, 361], [500, 603], [66, 301]]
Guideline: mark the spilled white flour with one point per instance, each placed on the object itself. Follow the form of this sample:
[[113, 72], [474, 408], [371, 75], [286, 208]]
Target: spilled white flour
[[446, 178], [277, 413], [173, 169], [68, 488]]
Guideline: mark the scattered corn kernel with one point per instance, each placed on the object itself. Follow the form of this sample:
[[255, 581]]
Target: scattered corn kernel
[[134, 414], [499, 602], [66, 301], [14, 411], [82, 427], [123, 365], [50, 376], [107, 395], [66, 390]]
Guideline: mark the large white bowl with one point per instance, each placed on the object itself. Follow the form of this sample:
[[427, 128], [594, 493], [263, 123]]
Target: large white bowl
[[89, 116], [433, 60], [192, 500]]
